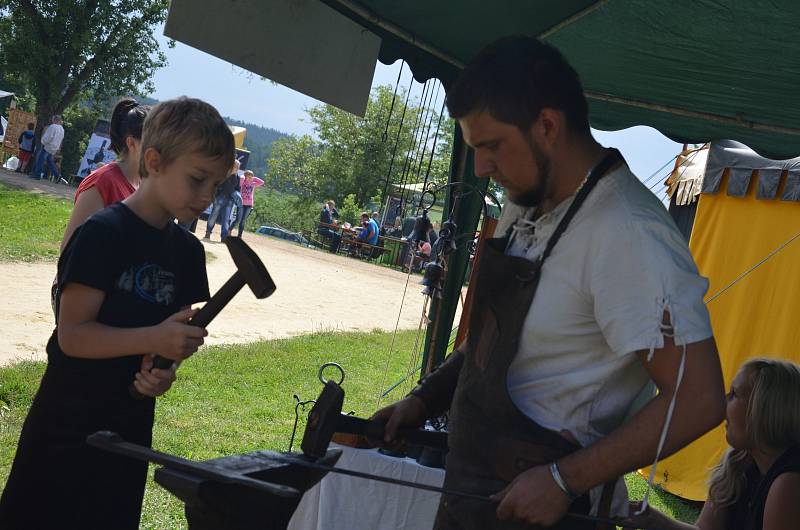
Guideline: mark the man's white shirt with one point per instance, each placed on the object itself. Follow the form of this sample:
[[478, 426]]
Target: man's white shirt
[[621, 264]]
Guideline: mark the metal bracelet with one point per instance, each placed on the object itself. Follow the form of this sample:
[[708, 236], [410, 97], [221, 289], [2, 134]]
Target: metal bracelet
[[562, 485]]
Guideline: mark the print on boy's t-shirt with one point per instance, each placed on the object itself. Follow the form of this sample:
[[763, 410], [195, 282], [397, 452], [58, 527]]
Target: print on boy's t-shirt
[[150, 282]]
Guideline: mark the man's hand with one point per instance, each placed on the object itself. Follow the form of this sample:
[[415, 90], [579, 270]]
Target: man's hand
[[532, 497], [154, 382], [408, 412], [175, 339]]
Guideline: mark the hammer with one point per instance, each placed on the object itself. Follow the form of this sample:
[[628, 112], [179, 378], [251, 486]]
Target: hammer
[[326, 418], [249, 270]]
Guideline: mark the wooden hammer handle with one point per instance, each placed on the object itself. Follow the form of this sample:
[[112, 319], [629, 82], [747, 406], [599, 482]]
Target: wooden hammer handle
[[202, 318]]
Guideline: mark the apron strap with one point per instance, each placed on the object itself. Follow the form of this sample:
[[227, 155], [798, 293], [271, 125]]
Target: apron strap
[[612, 158], [609, 161]]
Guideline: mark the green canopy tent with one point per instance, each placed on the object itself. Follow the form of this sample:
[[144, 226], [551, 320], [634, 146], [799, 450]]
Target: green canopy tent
[[696, 71]]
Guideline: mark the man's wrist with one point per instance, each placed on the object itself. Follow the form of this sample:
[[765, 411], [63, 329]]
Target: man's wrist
[[421, 401], [561, 483]]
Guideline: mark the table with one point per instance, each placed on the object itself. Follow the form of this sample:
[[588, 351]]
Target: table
[[340, 502]]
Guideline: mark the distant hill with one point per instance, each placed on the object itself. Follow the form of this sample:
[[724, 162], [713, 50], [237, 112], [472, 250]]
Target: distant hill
[[258, 140]]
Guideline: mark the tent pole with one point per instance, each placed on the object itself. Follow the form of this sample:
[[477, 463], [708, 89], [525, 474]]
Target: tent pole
[[466, 216]]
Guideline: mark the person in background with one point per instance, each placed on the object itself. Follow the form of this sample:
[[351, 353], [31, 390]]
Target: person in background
[[222, 205], [397, 229], [51, 143], [369, 230], [116, 180], [433, 233], [236, 197], [757, 484], [27, 145], [408, 226], [326, 220], [377, 218], [248, 182]]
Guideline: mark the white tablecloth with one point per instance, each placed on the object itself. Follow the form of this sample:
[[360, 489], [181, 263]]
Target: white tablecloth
[[340, 502]]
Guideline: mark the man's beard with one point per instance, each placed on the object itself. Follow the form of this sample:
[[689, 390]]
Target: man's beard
[[536, 194]]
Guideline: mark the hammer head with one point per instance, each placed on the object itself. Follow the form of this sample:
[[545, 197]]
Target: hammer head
[[251, 268], [323, 420]]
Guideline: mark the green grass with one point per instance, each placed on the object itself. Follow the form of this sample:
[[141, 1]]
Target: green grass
[[31, 225], [236, 399]]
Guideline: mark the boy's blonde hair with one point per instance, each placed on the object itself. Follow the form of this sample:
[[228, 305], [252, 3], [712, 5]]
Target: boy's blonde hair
[[186, 125], [773, 421]]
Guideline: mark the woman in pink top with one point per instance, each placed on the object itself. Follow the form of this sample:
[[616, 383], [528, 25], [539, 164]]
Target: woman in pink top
[[247, 182], [115, 181]]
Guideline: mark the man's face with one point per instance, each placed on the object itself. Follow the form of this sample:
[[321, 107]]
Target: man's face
[[509, 156]]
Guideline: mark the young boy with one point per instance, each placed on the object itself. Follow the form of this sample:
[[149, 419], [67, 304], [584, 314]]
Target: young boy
[[126, 281], [27, 144]]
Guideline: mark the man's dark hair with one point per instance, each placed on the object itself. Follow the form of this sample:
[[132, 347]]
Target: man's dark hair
[[513, 79]]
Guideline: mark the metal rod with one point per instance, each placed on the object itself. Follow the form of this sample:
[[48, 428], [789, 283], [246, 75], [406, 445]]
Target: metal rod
[[112, 442], [739, 122], [571, 20], [300, 461], [397, 31]]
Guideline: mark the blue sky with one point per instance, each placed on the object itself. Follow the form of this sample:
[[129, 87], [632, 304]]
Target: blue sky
[[238, 94]]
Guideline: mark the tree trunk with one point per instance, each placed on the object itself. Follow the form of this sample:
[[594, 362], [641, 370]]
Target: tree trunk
[[44, 111]]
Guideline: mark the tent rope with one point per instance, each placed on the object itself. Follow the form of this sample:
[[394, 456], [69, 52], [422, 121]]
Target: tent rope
[[754, 267], [391, 344], [391, 107], [397, 142]]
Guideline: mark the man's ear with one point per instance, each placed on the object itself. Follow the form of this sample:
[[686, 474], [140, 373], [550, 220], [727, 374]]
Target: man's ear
[[548, 127], [152, 161]]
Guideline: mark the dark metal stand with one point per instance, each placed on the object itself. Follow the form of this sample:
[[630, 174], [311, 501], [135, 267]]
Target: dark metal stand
[[254, 491]]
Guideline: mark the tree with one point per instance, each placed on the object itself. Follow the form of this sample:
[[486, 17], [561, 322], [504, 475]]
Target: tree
[[294, 166], [69, 50], [359, 157]]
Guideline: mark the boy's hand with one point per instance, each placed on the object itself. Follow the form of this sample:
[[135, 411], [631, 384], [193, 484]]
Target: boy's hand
[[175, 339], [154, 382]]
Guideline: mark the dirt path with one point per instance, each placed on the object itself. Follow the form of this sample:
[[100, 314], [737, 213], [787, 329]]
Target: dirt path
[[316, 291], [37, 186]]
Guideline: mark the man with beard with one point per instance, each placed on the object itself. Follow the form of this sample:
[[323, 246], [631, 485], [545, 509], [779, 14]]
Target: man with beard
[[551, 397]]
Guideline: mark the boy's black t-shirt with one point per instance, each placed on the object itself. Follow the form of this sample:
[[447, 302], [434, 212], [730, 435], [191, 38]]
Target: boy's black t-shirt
[[147, 274]]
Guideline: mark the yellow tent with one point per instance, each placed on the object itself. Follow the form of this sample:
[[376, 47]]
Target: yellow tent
[[746, 240]]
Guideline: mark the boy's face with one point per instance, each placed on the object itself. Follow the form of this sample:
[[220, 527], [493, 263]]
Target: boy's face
[[186, 186]]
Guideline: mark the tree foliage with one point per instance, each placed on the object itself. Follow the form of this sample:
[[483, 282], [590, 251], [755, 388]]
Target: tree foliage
[[69, 50], [274, 208], [358, 157]]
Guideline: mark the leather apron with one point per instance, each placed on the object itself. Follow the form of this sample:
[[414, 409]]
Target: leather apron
[[491, 441]]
